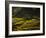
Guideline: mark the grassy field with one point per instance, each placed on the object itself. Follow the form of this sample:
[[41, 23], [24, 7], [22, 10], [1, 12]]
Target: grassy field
[[21, 24]]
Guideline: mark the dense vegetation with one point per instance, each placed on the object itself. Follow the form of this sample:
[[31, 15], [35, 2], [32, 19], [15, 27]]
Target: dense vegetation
[[25, 19]]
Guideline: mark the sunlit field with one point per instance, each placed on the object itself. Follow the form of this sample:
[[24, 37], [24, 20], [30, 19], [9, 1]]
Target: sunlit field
[[25, 19]]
